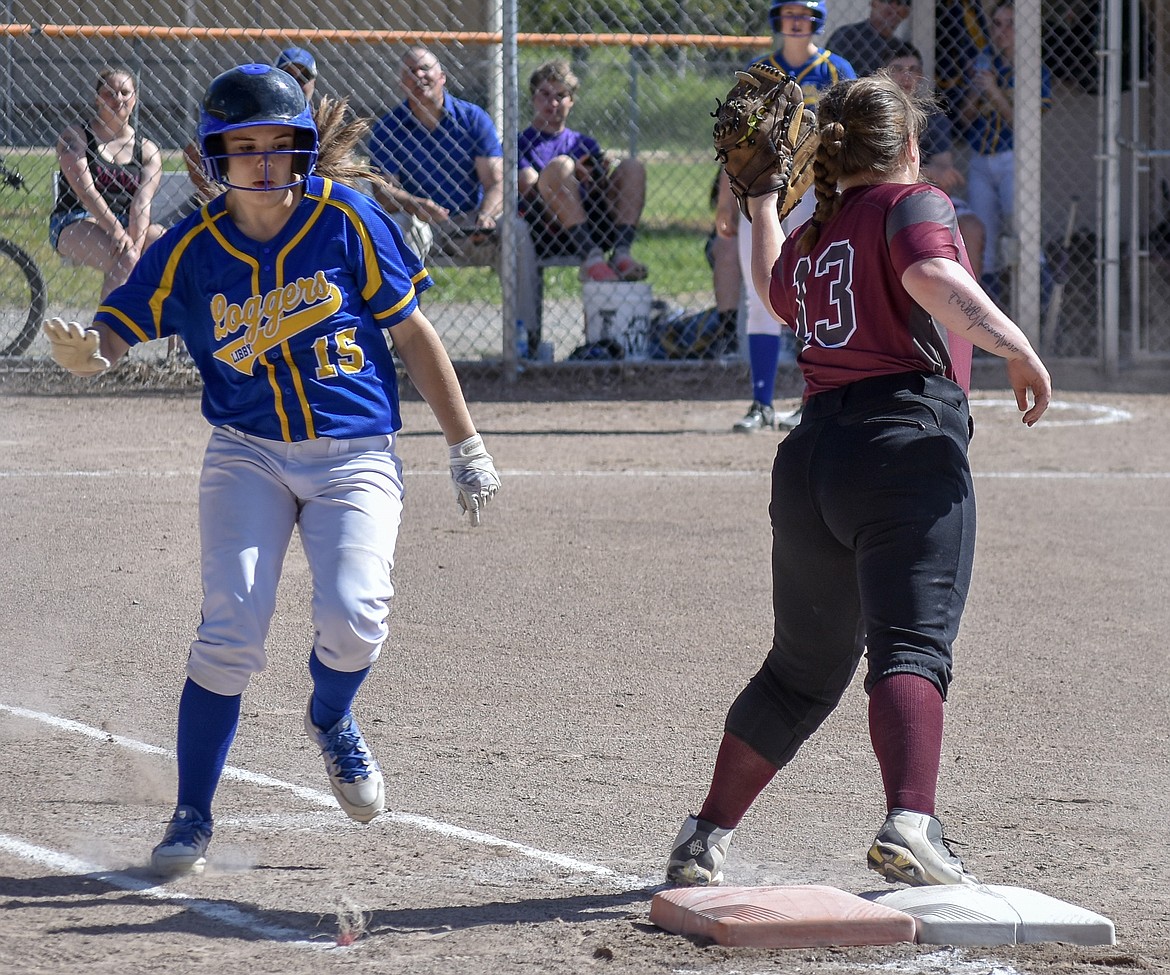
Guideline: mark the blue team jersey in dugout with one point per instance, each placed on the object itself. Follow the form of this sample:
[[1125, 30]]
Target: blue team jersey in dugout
[[989, 132], [287, 334], [819, 72]]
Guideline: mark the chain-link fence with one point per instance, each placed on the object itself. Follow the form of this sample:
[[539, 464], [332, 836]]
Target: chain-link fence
[[1091, 191]]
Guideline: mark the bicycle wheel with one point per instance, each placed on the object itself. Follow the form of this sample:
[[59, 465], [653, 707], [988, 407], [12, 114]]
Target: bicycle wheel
[[22, 299]]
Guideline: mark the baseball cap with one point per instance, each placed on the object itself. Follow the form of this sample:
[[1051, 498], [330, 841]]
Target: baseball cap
[[297, 57]]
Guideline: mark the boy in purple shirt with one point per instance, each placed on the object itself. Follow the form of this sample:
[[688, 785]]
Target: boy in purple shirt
[[576, 200]]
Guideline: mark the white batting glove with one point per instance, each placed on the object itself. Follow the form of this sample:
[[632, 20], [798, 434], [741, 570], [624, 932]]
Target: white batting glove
[[474, 476], [75, 347]]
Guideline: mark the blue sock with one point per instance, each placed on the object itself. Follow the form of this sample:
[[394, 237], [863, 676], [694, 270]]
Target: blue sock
[[333, 692], [764, 355], [207, 727]]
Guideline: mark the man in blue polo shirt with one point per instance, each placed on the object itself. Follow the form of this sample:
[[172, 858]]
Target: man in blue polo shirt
[[444, 159]]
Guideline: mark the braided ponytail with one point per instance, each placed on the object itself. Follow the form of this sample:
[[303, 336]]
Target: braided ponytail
[[864, 125], [826, 173]]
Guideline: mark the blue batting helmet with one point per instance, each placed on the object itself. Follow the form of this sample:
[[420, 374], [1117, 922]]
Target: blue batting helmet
[[816, 8], [255, 94]]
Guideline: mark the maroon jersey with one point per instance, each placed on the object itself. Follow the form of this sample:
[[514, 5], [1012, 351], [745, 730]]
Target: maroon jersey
[[845, 301]]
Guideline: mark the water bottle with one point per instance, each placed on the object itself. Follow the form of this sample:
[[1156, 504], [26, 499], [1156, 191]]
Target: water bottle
[[521, 339], [983, 62]]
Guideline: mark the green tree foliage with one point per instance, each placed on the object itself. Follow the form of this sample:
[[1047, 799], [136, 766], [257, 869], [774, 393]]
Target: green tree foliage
[[646, 16]]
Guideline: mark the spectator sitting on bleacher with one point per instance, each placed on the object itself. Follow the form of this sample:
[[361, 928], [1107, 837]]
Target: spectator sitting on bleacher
[[987, 109], [576, 200], [444, 161], [107, 181]]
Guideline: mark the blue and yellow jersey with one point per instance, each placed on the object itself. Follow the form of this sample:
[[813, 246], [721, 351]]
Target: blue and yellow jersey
[[286, 333], [989, 132], [816, 74]]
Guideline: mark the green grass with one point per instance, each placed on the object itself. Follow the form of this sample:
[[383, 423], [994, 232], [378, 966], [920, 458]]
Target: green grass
[[25, 217], [672, 137], [675, 257], [671, 238], [671, 241]]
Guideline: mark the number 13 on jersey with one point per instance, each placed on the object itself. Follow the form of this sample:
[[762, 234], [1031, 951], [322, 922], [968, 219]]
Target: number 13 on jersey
[[835, 267]]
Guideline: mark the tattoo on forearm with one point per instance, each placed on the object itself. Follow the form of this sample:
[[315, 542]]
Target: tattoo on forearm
[[976, 314]]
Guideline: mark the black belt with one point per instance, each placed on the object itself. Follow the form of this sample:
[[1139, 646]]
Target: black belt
[[876, 388]]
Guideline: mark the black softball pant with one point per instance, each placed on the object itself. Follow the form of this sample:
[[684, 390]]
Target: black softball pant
[[873, 539]]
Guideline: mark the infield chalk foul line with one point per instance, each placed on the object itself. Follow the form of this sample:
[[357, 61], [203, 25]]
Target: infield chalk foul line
[[218, 912], [316, 797], [760, 473]]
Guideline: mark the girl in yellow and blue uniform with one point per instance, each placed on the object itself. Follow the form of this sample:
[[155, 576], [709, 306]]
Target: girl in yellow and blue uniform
[[796, 22]]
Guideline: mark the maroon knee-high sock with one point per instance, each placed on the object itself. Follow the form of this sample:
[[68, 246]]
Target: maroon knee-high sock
[[906, 729], [740, 775]]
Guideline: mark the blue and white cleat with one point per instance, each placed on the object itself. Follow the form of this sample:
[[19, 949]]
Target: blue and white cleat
[[354, 775], [184, 846]]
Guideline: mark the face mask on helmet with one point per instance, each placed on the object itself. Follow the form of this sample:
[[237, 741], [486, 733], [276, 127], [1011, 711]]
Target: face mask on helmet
[[815, 8], [256, 94]]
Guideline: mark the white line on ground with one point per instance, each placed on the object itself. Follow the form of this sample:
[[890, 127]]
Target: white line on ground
[[949, 960], [763, 472], [219, 912], [1100, 414], [316, 797]]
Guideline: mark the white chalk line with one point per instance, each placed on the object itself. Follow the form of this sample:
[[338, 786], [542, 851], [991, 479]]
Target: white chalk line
[[325, 799], [762, 473], [219, 912], [947, 960], [1101, 414]]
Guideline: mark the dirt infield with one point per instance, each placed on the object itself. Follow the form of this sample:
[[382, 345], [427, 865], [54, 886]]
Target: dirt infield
[[548, 707]]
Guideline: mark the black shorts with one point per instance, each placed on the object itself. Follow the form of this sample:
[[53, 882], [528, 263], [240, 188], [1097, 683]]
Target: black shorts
[[551, 240], [873, 523]]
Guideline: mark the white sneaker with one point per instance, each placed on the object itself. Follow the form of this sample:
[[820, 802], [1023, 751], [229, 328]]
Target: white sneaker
[[354, 775], [696, 859], [788, 421], [909, 848], [758, 417]]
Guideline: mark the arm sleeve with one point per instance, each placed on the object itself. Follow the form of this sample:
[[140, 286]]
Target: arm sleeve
[[487, 142], [149, 304], [922, 225], [587, 147], [389, 273]]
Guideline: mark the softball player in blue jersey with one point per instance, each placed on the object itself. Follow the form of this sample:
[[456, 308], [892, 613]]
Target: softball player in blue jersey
[[796, 22], [281, 288]]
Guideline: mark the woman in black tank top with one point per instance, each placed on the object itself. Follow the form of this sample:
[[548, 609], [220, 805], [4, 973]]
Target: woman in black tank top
[[107, 181]]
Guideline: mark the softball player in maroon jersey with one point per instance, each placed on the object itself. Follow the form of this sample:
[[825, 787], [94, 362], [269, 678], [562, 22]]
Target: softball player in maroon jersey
[[281, 288], [873, 509]]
